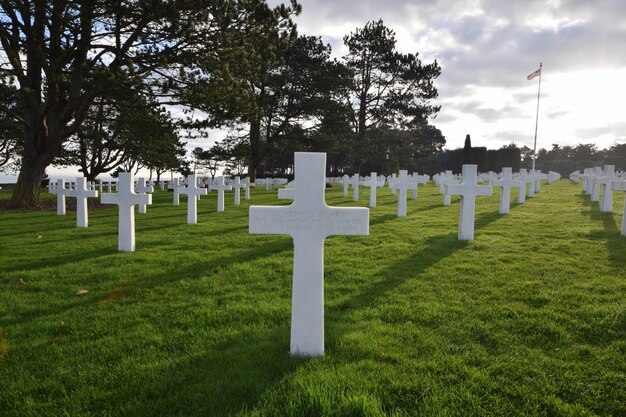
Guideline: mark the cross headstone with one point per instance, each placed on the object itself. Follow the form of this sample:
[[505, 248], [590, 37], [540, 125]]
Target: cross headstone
[[142, 188], [220, 187], [538, 178], [506, 181], [192, 191], [443, 183], [162, 185], [468, 190], [402, 185], [524, 179], [531, 184], [60, 192], [595, 186], [247, 188], [417, 180], [553, 176], [81, 193], [174, 185], [288, 192], [309, 221], [605, 181], [268, 183], [392, 183], [126, 199], [373, 184], [354, 181], [620, 185], [345, 181], [237, 186]]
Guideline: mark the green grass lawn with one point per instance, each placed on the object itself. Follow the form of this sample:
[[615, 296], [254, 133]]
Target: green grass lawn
[[528, 319]]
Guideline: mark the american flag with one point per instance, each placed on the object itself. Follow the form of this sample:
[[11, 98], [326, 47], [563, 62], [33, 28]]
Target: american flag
[[534, 74]]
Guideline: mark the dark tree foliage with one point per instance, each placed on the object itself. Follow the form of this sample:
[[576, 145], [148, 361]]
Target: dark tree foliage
[[64, 54], [129, 131], [467, 150], [11, 126], [388, 88]]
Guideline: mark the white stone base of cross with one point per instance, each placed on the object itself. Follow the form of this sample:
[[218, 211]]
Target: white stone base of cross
[[308, 220]]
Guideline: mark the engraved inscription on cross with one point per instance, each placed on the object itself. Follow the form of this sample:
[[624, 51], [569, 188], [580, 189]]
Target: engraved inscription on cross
[[308, 220]]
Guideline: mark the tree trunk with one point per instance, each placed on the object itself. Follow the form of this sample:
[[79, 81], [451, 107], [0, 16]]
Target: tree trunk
[[41, 145], [26, 192], [255, 139]]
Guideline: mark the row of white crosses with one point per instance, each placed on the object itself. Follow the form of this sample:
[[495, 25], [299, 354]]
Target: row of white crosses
[[598, 181], [131, 194]]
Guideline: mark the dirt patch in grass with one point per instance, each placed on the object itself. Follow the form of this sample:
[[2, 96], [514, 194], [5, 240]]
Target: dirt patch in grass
[[4, 345]]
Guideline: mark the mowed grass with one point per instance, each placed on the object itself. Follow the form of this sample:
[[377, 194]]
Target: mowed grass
[[528, 319]]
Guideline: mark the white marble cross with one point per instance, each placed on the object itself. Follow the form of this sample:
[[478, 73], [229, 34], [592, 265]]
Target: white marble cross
[[237, 186], [174, 186], [268, 183], [417, 180], [595, 187], [620, 185], [60, 192], [288, 192], [162, 185], [354, 181], [391, 183], [402, 185], [345, 181], [220, 187], [309, 221], [193, 192], [538, 178], [81, 193], [443, 183], [126, 199], [605, 181], [142, 188], [247, 188], [531, 183], [468, 190], [553, 176], [506, 181], [524, 179], [373, 184]]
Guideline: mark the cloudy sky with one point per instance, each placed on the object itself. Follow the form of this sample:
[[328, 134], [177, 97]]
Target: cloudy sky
[[486, 48]]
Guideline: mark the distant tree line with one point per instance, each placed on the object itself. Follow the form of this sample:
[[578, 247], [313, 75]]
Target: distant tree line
[[562, 159]]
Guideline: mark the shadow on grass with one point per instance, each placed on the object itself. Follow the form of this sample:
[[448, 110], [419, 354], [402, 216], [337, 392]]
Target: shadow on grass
[[435, 249], [616, 243], [227, 379], [56, 260]]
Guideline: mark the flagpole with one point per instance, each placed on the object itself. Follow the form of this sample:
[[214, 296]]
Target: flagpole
[[537, 117]]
